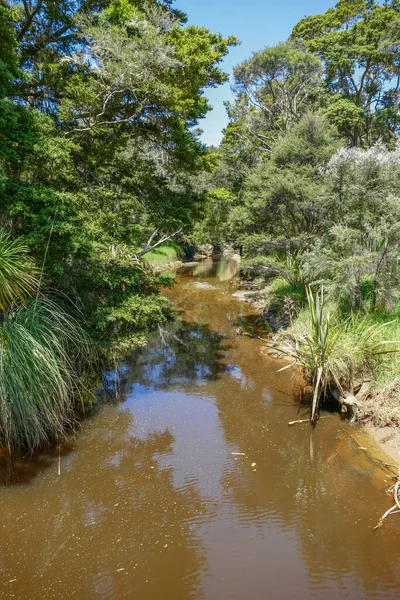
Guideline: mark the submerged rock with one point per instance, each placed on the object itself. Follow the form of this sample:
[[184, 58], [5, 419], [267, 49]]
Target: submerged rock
[[203, 285], [244, 296]]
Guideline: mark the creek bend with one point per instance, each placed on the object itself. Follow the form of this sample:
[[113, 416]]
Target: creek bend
[[157, 496]]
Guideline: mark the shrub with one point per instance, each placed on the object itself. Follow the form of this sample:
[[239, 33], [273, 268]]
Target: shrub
[[331, 351]]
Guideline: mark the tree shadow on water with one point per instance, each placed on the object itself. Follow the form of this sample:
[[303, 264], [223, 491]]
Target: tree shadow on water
[[114, 524], [185, 354], [20, 468]]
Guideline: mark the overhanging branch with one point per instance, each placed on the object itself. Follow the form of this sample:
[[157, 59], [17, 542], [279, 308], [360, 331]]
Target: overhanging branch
[[150, 246]]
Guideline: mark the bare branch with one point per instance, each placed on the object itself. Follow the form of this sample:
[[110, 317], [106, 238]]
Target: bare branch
[[149, 246]]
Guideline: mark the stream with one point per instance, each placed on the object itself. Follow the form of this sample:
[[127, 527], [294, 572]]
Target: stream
[[193, 486]]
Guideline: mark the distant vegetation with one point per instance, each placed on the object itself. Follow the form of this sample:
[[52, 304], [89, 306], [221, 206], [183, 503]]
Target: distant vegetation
[[99, 156], [100, 161], [165, 255], [307, 188]]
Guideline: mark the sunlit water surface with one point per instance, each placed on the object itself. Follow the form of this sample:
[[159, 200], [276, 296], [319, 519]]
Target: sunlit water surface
[[159, 497]]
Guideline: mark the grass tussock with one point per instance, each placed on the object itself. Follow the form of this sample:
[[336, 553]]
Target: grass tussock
[[37, 381], [39, 344], [18, 272]]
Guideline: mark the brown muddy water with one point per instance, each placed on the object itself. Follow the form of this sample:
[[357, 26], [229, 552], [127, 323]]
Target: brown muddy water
[[157, 498]]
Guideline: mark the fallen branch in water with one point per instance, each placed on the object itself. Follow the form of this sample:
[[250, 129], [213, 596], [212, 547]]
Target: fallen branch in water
[[358, 443], [393, 509], [396, 494], [389, 465], [299, 421], [255, 337], [290, 423]]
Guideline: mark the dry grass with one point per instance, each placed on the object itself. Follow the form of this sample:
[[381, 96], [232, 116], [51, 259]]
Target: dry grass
[[334, 352]]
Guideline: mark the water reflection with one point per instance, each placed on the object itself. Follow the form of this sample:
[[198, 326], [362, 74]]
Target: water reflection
[[191, 354], [314, 495], [203, 268], [108, 526], [224, 269], [196, 488], [314, 490]]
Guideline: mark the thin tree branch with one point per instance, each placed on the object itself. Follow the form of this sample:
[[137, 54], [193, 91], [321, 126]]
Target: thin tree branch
[[149, 246]]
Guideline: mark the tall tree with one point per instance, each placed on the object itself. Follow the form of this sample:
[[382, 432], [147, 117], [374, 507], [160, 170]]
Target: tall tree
[[275, 87], [361, 70], [281, 211], [99, 130]]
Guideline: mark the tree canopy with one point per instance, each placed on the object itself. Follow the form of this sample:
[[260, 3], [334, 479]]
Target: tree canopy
[[355, 42], [306, 174], [98, 143]]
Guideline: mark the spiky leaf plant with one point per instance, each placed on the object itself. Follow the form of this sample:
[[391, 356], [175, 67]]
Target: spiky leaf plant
[[331, 350], [18, 273]]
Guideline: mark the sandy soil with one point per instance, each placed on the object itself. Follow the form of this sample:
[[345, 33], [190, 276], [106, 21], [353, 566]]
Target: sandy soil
[[388, 439]]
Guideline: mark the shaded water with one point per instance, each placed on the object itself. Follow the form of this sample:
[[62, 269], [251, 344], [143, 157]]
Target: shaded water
[[154, 503]]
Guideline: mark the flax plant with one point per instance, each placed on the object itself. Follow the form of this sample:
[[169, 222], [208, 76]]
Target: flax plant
[[332, 350]]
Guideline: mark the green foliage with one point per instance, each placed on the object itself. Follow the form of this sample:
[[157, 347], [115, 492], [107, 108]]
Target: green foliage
[[164, 255], [99, 103], [386, 367], [275, 88], [130, 319], [356, 257], [39, 341], [357, 45], [8, 54], [282, 195], [214, 226], [37, 383], [18, 274], [98, 146], [311, 163], [331, 351], [273, 266]]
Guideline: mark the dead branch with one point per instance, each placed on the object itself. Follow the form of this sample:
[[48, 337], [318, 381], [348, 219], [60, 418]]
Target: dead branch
[[255, 337], [150, 246], [166, 335], [291, 423], [396, 493], [393, 509]]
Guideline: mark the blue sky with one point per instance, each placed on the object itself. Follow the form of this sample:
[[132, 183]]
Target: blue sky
[[257, 23]]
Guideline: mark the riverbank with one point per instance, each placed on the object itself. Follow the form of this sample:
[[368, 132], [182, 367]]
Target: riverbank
[[388, 439], [377, 409], [170, 258], [205, 490], [167, 266]]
